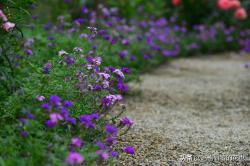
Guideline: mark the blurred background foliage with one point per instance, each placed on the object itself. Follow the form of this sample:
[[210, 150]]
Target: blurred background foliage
[[191, 11]]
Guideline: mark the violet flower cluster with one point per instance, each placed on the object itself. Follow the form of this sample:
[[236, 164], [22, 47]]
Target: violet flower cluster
[[55, 114]]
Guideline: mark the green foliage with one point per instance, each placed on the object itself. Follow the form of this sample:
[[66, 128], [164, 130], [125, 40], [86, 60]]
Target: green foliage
[[16, 11]]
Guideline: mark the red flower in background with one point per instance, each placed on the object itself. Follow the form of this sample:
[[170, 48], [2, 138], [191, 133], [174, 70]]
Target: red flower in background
[[229, 4], [240, 14], [176, 2]]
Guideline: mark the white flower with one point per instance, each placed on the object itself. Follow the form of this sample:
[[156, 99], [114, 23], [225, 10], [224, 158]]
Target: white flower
[[77, 49], [119, 73], [62, 52], [105, 84], [89, 67]]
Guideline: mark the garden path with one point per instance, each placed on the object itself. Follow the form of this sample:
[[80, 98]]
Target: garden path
[[198, 106]]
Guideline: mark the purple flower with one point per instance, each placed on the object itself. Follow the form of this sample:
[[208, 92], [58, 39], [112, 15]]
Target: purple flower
[[67, 103], [71, 30], [103, 155], [122, 87], [64, 111], [126, 70], [29, 42], [111, 99], [104, 75], [110, 69], [30, 116], [79, 21], [84, 10], [50, 124], [24, 134], [23, 120], [113, 41], [123, 54], [47, 26], [132, 58], [34, 17], [55, 117], [55, 100], [45, 106], [126, 122], [97, 87], [161, 22], [114, 153], [87, 120], [100, 145], [110, 140], [47, 67], [129, 150], [119, 73], [167, 53], [70, 120], [97, 61], [83, 36], [125, 42], [106, 37], [75, 158], [95, 116], [146, 56], [77, 142], [29, 52], [110, 129], [69, 60], [51, 38]]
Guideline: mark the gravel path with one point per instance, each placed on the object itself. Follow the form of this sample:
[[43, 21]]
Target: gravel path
[[197, 107]]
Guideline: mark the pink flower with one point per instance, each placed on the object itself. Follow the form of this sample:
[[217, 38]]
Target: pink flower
[[8, 26], [76, 142], [55, 117], [40, 98], [176, 2], [75, 158], [235, 4], [224, 4], [240, 14], [3, 16]]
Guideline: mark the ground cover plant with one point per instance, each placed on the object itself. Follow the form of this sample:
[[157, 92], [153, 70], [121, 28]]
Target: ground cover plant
[[64, 76]]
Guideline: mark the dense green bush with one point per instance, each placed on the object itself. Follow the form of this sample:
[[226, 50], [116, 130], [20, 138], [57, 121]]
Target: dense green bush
[[11, 43]]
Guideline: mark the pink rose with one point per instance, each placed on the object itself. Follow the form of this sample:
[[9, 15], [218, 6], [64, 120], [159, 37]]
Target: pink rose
[[240, 14], [235, 4], [224, 4]]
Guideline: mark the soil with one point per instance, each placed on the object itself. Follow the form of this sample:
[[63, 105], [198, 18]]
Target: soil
[[191, 111]]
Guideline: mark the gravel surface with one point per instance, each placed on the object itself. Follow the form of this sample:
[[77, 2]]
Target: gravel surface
[[191, 111]]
